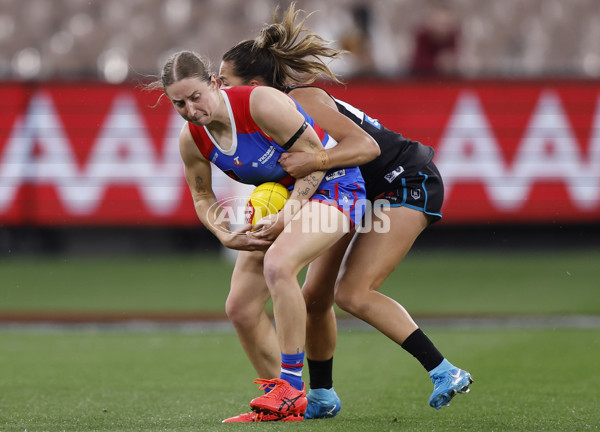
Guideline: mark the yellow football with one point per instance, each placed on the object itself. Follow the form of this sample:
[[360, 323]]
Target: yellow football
[[266, 199]]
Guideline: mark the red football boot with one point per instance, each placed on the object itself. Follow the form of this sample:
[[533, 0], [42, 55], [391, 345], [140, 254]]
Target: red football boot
[[253, 417], [282, 400]]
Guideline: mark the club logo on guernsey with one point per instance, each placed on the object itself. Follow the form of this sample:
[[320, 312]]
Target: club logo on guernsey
[[391, 176], [372, 121], [336, 174]]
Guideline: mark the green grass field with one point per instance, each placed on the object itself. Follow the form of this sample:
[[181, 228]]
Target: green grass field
[[480, 283], [127, 379], [530, 380]]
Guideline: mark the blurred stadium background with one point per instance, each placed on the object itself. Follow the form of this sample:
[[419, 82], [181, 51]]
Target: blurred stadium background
[[114, 41], [507, 92]]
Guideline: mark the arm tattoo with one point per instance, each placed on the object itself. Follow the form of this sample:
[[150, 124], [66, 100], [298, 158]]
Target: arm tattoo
[[312, 180], [312, 183], [304, 193]]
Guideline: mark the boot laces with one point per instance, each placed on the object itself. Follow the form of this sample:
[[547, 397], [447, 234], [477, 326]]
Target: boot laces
[[276, 384]]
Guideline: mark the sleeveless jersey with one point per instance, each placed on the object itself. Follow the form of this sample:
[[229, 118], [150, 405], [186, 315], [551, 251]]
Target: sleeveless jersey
[[399, 156], [253, 156]]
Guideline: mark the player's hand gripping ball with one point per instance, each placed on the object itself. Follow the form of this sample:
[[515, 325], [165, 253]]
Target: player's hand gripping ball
[[268, 198]]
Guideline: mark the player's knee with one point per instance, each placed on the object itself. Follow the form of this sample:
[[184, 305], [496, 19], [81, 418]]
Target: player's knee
[[241, 318], [344, 301], [318, 301], [240, 313], [234, 310], [351, 301], [276, 269]]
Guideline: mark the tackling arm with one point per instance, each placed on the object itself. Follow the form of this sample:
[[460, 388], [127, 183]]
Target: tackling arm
[[355, 147], [277, 116]]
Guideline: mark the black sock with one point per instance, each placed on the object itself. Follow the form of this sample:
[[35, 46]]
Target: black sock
[[419, 345], [321, 373]]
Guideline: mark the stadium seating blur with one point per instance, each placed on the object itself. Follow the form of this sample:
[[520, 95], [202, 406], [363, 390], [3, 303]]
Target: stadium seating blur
[[115, 40]]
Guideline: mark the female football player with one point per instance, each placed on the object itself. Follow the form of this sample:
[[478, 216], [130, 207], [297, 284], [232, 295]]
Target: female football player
[[288, 57], [244, 131]]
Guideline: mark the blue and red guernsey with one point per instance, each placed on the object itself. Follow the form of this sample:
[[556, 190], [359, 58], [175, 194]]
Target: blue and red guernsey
[[253, 156]]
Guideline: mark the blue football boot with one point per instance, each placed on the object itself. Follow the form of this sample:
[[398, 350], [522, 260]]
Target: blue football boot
[[447, 384], [322, 403]]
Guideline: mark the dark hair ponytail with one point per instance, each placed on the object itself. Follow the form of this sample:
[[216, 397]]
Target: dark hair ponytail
[[249, 62], [282, 55]]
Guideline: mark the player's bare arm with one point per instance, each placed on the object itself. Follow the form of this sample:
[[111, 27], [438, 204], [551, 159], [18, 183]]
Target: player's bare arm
[[355, 146], [276, 114], [198, 175]]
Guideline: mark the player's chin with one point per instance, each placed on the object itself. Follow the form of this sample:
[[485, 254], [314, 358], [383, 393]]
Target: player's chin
[[200, 121]]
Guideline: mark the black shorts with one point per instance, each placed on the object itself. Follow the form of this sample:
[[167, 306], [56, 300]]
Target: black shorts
[[422, 190]]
